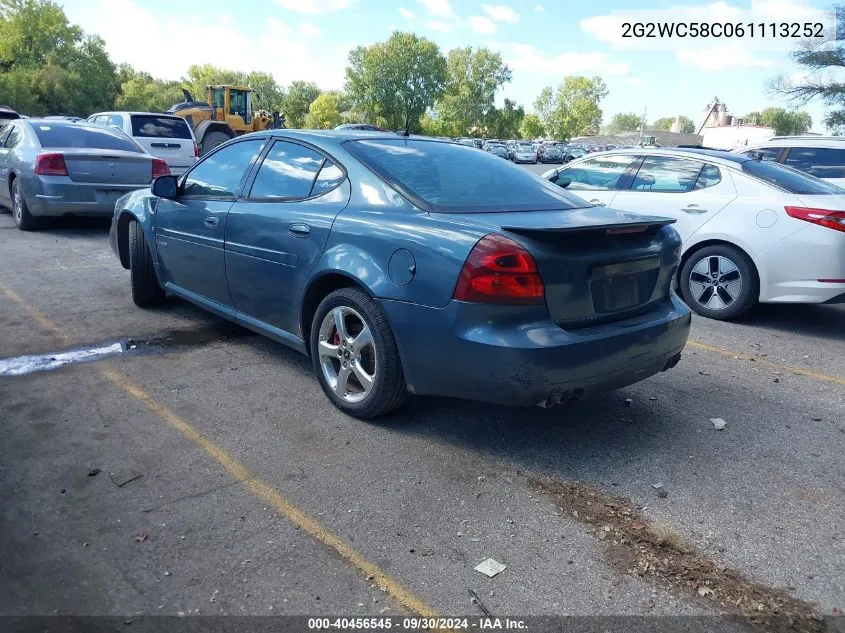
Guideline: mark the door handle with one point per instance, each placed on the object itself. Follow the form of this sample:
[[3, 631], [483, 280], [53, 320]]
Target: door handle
[[211, 221], [299, 230], [597, 202], [693, 208]]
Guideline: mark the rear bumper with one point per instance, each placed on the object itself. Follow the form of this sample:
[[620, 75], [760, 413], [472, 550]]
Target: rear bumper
[[459, 351], [59, 195]]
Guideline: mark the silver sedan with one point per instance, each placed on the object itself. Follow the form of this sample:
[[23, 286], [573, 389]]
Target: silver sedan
[[52, 168]]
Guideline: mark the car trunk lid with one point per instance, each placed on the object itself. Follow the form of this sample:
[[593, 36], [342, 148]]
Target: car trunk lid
[[108, 166], [597, 264]]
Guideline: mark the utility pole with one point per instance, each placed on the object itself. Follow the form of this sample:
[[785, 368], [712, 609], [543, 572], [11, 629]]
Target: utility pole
[[642, 126]]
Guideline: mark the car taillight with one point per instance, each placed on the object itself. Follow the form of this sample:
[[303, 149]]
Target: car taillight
[[823, 217], [498, 270], [196, 150], [160, 168], [50, 165]]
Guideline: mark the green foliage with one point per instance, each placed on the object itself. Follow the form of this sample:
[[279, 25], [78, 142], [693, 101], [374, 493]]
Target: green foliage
[[783, 122], [505, 122], [665, 125], [573, 109], [49, 66], [467, 104], [324, 112], [624, 122], [296, 102], [531, 127], [143, 93], [393, 83]]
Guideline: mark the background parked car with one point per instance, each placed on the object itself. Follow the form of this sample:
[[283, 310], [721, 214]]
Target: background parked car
[[752, 230], [524, 153], [455, 273], [819, 156], [550, 154], [368, 127], [72, 119], [7, 114], [52, 168], [165, 136], [497, 149]]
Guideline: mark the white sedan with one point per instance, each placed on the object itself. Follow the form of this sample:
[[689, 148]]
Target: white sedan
[[752, 230]]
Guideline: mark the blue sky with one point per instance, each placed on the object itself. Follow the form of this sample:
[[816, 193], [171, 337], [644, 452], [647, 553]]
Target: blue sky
[[542, 41]]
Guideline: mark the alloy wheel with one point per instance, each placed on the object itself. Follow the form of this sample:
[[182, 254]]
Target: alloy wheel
[[347, 354], [715, 282], [17, 204]]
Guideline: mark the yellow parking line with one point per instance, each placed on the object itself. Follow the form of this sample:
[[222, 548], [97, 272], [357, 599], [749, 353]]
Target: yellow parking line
[[260, 488], [800, 371]]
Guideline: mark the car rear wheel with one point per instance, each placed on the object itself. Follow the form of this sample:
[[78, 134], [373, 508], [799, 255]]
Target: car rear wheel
[[355, 355], [146, 290], [24, 220], [720, 282]]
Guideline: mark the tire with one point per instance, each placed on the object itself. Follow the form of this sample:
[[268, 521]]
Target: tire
[[146, 290], [720, 282], [378, 359], [212, 140], [24, 220]]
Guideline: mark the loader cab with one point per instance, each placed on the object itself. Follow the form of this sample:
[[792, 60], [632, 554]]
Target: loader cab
[[233, 102]]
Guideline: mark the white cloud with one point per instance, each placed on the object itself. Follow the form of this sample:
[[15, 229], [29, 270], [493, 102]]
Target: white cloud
[[408, 15], [439, 8], [526, 58], [501, 13], [314, 7], [482, 25], [730, 56], [538, 8], [167, 53], [635, 81], [440, 26], [306, 29]]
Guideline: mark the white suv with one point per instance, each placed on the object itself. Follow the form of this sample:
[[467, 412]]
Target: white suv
[[163, 135], [819, 156]]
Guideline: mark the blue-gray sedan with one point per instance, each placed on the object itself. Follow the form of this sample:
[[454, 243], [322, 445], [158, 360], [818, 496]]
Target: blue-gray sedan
[[410, 265], [52, 167]]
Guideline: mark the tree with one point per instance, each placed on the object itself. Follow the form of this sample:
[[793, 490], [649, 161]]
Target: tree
[[573, 109], [143, 93], [395, 82], [531, 127], [474, 77], [665, 124], [822, 81], [783, 122], [296, 102], [505, 122], [49, 66], [323, 113], [624, 122], [753, 118], [268, 95]]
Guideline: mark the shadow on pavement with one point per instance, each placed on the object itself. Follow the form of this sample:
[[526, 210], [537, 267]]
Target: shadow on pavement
[[810, 319], [70, 226]]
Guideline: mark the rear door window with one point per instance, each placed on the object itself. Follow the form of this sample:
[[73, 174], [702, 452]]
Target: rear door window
[[451, 178], [4, 133], [666, 174], [150, 126], [59, 135], [15, 137], [115, 120], [709, 176], [603, 173], [821, 162], [287, 172], [789, 179], [220, 174]]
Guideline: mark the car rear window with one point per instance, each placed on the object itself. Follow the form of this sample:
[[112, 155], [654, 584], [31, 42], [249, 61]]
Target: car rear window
[[149, 126], [789, 179], [55, 135], [451, 178], [821, 162]]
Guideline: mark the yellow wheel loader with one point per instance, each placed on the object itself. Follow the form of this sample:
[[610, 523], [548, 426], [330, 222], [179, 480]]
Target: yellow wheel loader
[[226, 113]]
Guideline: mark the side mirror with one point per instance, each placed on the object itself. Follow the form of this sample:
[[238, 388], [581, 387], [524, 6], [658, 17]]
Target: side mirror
[[563, 181], [166, 186]]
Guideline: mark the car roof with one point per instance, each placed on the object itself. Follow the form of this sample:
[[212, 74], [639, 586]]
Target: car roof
[[712, 155], [798, 141], [133, 113]]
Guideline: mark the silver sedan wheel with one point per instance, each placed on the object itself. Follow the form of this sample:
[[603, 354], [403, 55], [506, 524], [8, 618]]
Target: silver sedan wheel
[[715, 282], [17, 204], [347, 354]]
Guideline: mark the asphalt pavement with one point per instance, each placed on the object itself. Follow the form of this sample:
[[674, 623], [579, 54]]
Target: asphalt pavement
[[204, 471]]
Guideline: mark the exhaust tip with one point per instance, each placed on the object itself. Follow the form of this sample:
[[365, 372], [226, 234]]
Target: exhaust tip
[[672, 362]]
